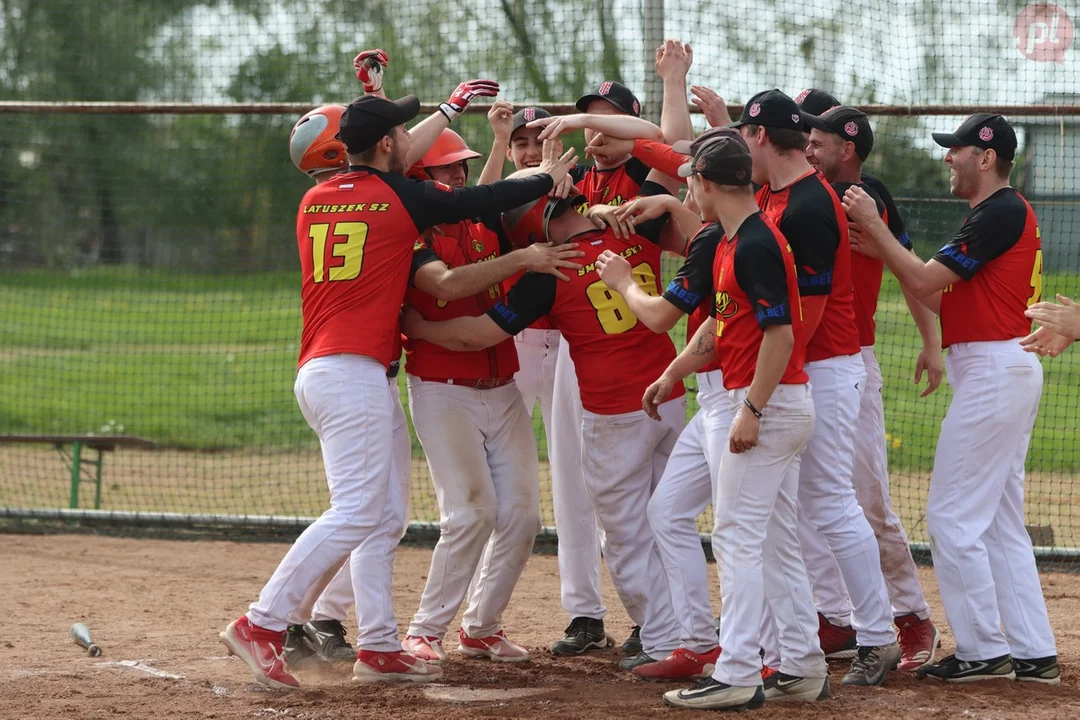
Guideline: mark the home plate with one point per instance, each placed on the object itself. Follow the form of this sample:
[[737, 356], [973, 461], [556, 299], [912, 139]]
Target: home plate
[[447, 693]]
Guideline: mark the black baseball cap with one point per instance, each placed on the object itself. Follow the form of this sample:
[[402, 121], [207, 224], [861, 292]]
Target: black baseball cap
[[982, 130], [526, 115], [850, 124], [815, 101], [615, 93], [719, 154], [369, 118], [771, 108]]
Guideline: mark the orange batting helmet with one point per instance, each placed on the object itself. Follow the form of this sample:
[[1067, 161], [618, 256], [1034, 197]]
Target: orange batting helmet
[[314, 145], [448, 148]]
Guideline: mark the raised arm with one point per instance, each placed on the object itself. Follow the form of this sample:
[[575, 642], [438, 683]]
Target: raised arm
[[501, 118], [673, 61]]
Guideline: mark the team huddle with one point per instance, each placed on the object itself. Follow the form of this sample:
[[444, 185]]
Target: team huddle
[[546, 286]]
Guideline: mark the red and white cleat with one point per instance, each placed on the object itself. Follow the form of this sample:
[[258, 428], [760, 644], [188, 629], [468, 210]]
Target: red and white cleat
[[427, 648], [261, 650], [392, 667], [682, 664], [838, 642], [495, 647], [919, 641]]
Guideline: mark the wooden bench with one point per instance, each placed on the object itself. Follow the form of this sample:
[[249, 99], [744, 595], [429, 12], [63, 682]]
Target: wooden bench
[[101, 444]]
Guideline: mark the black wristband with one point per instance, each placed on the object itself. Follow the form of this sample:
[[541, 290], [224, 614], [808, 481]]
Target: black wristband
[[747, 403]]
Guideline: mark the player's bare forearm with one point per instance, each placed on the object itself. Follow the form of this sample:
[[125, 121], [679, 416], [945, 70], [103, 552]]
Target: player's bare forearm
[[444, 283], [463, 334], [675, 113], [776, 345], [493, 168], [924, 317], [689, 222], [699, 352], [923, 280], [423, 136], [624, 126], [658, 314]]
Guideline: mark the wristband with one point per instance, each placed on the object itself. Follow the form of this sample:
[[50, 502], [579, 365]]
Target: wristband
[[747, 403]]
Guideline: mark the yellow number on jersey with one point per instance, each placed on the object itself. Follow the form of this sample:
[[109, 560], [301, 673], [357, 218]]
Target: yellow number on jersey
[[351, 251], [1036, 280], [612, 312]]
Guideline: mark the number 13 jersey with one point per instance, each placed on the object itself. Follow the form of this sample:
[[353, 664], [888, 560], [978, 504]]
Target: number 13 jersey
[[616, 357]]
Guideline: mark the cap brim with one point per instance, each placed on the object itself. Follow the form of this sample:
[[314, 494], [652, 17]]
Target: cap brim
[[815, 121], [686, 169], [948, 140], [408, 107], [736, 124], [583, 103], [682, 146]]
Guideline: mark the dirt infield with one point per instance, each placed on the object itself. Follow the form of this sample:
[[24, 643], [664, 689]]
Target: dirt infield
[[162, 603]]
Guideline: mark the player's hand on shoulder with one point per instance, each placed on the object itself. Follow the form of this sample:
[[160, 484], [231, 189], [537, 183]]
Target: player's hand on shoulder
[[605, 146], [929, 360], [860, 207], [712, 105], [501, 118], [614, 270], [862, 242], [605, 216], [549, 259], [744, 431], [644, 208], [554, 164]]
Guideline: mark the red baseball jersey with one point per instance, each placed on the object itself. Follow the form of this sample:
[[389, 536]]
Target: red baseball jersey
[[615, 356], [543, 323], [691, 290], [998, 256], [610, 187], [810, 216], [756, 287], [355, 235], [457, 245]]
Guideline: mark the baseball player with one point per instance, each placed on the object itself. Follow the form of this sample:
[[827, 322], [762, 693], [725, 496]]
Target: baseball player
[[623, 452], [756, 332], [476, 431], [981, 283], [355, 235], [808, 213], [840, 140]]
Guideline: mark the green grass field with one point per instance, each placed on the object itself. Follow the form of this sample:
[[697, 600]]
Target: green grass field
[[207, 362]]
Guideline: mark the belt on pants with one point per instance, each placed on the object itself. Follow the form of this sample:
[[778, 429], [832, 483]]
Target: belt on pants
[[480, 384]]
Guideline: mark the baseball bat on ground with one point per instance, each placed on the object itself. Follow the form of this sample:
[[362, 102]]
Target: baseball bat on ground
[[81, 635]]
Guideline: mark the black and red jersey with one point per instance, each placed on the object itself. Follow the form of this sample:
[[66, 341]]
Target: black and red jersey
[[610, 187], [691, 290], [998, 256], [810, 216], [457, 245], [615, 356], [355, 235], [756, 286]]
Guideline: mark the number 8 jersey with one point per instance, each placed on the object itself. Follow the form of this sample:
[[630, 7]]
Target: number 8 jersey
[[616, 357]]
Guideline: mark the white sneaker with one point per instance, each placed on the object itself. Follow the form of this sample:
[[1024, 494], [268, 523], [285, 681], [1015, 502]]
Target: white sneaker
[[428, 648], [495, 647]]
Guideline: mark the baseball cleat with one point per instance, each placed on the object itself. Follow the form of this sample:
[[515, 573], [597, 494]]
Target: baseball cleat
[[636, 661], [428, 648], [682, 664], [391, 667], [298, 652], [953, 670], [632, 645], [1040, 670], [261, 650], [327, 639], [872, 664], [780, 687], [494, 647], [709, 694], [582, 635], [838, 642], [919, 641]]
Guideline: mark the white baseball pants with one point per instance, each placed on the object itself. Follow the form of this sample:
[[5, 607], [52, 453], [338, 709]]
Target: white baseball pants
[[337, 597], [482, 454], [349, 404], [578, 529], [537, 351], [757, 547], [623, 457], [871, 482], [827, 502], [685, 490], [982, 552]]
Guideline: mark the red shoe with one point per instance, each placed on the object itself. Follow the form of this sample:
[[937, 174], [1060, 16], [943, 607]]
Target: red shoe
[[680, 665], [919, 641], [494, 647], [261, 650], [767, 672], [429, 649], [837, 641], [388, 667]]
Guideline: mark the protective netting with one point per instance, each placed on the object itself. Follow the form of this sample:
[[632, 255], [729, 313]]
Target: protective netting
[[148, 273]]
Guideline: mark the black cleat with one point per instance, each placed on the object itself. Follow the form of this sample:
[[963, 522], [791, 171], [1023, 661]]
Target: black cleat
[[1040, 670], [295, 648], [961, 671], [632, 645], [582, 635], [326, 638]]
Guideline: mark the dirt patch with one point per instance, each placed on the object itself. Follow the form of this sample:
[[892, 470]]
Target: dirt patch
[[160, 604]]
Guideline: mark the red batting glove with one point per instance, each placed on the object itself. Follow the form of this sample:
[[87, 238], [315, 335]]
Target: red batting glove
[[465, 92], [369, 66]]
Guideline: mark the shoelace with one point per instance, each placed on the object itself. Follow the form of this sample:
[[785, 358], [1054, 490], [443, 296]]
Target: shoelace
[[703, 683], [862, 662]]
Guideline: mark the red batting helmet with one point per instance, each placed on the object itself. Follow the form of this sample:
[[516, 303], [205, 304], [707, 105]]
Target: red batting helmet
[[448, 148], [314, 145]]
